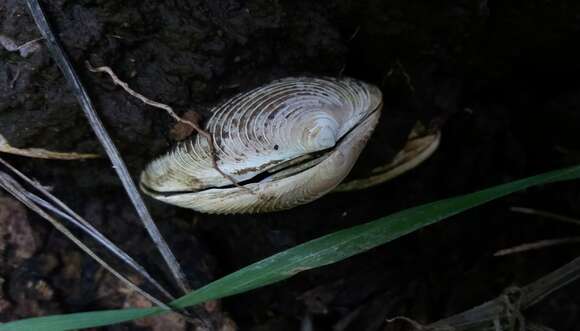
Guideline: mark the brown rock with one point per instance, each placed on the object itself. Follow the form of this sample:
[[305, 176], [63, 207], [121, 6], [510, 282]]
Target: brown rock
[[181, 131]]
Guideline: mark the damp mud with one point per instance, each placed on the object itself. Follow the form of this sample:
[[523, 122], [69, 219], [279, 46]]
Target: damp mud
[[500, 79]]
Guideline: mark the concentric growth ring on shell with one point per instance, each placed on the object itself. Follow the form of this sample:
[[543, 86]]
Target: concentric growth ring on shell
[[299, 126]]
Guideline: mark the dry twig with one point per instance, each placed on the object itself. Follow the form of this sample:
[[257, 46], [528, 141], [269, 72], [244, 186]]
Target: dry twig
[[412, 323], [64, 64], [508, 307], [546, 214], [171, 113], [25, 49], [40, 153], [15, 78], [28, 199], [58, 207], [537, 245]]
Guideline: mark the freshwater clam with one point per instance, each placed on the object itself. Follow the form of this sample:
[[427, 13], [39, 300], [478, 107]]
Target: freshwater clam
[[287, 143], [283, 144]]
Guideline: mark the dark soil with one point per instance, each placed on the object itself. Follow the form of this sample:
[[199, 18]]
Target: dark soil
[[499, 77]]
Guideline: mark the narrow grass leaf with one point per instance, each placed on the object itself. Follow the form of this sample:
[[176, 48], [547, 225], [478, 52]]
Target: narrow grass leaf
[[80, 320], [345, 243], [325, 250]]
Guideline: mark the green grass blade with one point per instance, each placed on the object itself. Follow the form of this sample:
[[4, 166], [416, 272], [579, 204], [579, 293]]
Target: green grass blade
[[325, 250], [345, 243], [79, 320]]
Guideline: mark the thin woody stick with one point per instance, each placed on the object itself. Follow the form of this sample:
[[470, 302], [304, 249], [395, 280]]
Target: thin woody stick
[[60, 208], [63, 62], [35, 203], [546, 214], [41, 153], [537, 245], [14, 188], [505, 309], [171, 113]]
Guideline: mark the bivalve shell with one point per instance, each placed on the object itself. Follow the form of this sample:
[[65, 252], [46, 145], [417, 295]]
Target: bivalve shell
[[287, 143]]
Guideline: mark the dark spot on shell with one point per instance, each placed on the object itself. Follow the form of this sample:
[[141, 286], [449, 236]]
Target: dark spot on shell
[[276, 147], [195, 183]]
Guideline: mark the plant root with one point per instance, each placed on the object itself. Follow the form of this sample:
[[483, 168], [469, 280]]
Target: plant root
[[193, 124]]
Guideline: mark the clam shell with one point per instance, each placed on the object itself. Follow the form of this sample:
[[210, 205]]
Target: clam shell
[[287, 142]]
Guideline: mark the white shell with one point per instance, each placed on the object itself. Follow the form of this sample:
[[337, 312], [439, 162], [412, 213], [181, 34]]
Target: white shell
[[258, 134]]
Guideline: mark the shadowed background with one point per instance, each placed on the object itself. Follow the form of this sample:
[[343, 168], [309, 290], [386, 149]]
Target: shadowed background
[[500, 78]]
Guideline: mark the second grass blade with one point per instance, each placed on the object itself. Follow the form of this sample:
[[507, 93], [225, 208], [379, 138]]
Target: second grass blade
[[325, 250]]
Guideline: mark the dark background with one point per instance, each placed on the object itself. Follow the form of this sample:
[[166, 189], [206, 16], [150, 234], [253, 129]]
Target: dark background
[[499, 77]]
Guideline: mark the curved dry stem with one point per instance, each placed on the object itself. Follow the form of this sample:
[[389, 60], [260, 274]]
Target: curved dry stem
[[12, 187], [171, 113], [40, 153], [63, 62]]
